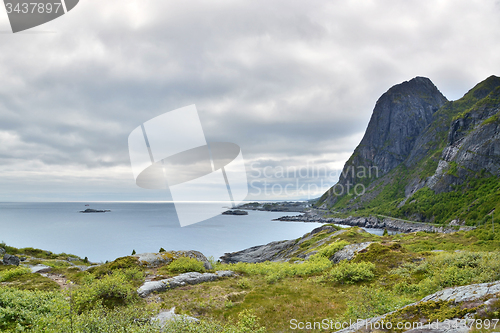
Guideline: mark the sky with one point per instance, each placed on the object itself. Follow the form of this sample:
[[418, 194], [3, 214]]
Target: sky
[[293, 83]]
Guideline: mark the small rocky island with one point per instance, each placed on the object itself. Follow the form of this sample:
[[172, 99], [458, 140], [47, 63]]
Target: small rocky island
[[235, 212], [90, 210]]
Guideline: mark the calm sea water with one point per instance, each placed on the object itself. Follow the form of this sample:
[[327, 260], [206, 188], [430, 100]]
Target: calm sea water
[[143, 227]]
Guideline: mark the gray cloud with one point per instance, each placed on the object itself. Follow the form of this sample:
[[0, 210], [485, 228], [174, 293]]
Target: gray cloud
[[288, 81]]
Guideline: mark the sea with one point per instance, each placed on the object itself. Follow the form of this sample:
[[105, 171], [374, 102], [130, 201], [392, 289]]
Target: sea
[[59, 227]]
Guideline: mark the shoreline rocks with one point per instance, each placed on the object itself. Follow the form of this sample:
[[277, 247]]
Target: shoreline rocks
[[285, 206], [374, 222]]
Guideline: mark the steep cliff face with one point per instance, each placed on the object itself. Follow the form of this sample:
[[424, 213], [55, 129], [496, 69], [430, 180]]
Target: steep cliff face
[[433, 165], [399, 117], [473, 145]]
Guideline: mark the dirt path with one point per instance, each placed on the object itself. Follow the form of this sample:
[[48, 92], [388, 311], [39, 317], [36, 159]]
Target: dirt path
[[58, 278]]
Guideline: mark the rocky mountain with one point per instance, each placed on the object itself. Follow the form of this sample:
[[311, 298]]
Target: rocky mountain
[[425, 158]]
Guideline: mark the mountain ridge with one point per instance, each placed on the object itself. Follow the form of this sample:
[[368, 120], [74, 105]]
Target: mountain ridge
[[418, 141]]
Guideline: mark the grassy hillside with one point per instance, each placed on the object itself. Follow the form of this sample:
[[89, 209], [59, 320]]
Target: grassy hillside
[[394, 271]]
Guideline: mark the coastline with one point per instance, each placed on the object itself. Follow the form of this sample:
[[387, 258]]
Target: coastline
[[310, 215], [390, 224]]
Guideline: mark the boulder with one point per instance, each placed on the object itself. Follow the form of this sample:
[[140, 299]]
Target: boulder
[[179, 281], [165, 316], [2, 251], [10, 260]]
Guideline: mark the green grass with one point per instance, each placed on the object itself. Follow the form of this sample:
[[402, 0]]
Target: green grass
[[13, 272], [36, 253], [275, 271], [21, 278]]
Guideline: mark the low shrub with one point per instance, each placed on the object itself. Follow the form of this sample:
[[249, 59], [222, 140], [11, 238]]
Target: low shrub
[[13, 272], [184, 265], [122, 263], [51, 312], [448, 270], [244, 283], [22, 309], [349, 273], [247, 323], [329, 250], [110, 291], [130, 319]]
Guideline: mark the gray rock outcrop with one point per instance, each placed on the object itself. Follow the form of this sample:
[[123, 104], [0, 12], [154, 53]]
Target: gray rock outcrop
[[280, 250], [349, 251], [164, 258], [9, 259], [40, 269], [179, 281], [2, 251], [468, 293]]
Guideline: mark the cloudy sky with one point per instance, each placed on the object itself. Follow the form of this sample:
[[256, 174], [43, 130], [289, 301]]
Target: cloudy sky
[[293, 83]]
